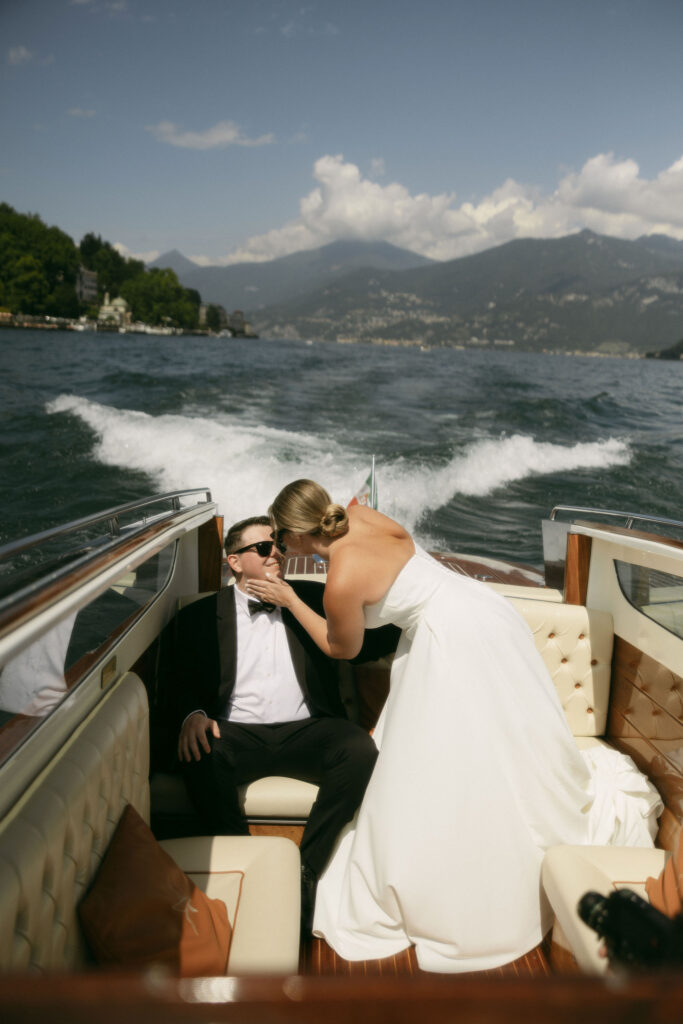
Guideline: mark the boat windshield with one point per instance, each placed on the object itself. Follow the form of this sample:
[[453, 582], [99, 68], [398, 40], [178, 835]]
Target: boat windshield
[[36, 681], [657, 594]]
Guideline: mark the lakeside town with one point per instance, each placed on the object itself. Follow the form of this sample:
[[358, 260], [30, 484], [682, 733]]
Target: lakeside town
[[114, 317], [48, 282]]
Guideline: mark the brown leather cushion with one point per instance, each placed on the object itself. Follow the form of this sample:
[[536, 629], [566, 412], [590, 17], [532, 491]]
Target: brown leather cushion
[[666, 892], [143, 909]]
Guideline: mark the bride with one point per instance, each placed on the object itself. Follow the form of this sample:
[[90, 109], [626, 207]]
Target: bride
[[477, 774]]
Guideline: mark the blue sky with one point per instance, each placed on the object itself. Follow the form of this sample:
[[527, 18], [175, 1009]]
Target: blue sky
[[247, 129]]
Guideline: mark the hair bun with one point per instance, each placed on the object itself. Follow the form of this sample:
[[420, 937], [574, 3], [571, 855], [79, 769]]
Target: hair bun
[[334, 521]]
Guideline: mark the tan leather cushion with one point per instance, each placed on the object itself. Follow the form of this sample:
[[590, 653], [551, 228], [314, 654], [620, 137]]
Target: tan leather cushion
[[143, 909], [259, 880], [666, 891]]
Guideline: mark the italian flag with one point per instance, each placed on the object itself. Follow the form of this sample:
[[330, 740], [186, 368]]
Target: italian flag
[[367, 494]]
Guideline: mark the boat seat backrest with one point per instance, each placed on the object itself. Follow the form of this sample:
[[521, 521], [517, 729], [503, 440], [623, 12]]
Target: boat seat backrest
[[576, 645], [53, 840]]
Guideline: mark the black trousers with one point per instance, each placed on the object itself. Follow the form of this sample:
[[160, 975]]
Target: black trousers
[[333, 753]]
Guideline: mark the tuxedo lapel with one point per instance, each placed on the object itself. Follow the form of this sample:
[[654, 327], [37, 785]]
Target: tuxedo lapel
[[300, 659], [226, 628]]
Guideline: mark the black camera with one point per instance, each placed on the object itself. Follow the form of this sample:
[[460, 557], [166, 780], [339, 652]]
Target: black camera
[[637, 936]]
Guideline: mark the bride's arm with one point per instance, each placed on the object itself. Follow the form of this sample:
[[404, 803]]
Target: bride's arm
[[340, 635]]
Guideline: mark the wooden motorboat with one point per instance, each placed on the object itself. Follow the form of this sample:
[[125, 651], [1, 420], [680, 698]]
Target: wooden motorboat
[[97, 598]]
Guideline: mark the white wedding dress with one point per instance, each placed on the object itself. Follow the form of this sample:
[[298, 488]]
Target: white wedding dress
[[477, 775]]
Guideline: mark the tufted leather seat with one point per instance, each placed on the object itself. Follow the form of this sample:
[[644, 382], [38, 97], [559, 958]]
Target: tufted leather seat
[[576, 645], [53, 840]]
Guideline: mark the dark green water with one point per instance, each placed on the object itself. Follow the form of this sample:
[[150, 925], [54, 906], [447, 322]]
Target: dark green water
[[473, 448]]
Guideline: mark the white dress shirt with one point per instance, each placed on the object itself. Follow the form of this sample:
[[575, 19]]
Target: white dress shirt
[[266, 687]]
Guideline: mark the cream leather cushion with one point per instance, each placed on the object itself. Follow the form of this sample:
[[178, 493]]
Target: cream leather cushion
[[576, 645], [259, 880], [278, 797], [569, 872], [274, 798], [52, 843]]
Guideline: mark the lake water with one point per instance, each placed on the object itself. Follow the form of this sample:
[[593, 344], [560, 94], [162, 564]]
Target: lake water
[[472, 447]]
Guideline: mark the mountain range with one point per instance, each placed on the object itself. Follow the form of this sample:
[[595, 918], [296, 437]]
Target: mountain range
[[582, 292], [254, 286]]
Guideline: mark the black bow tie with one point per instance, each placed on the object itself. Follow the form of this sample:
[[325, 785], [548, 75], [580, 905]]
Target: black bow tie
[[260, 606]]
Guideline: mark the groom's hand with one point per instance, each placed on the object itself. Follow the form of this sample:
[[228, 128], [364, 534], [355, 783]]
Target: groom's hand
[[193, 736]]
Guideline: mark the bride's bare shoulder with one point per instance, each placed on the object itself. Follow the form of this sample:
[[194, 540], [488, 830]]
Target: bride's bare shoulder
[[366, 560], [367, 521]]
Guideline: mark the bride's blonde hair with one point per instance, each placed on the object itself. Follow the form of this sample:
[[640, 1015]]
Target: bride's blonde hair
[[305, 507]]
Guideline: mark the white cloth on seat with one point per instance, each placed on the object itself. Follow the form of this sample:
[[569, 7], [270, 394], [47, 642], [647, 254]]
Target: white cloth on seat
[[626, 805], [477, 775]]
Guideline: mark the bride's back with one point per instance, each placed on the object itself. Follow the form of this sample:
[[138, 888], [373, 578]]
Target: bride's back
[[374, 551]]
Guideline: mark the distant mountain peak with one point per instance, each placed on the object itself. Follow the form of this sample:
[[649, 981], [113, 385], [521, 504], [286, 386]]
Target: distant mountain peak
[[175, 260]]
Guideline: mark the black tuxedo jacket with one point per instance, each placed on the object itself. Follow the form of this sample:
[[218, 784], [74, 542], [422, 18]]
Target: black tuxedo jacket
[[205, 654]]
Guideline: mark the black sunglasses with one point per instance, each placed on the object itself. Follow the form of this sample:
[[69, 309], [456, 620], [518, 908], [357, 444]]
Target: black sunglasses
[[262, 548]]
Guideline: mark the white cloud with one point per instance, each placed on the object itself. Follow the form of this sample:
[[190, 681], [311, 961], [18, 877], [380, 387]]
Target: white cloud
[[224, 133], [146, 257], [204, 261], [80, 112], [19, 55], [377, 167], [607, 195]]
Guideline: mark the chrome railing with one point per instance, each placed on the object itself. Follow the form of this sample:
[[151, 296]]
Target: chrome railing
[[111, 516], [31, 563], [629, 517]]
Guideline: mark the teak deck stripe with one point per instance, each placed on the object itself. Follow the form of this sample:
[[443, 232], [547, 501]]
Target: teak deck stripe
[[317, 959]]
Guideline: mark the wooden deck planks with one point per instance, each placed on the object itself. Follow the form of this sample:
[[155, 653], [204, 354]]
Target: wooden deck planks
[[320, 960], [489, 570]]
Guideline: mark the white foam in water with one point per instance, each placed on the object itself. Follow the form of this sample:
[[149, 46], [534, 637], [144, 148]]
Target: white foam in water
[[246, 465]]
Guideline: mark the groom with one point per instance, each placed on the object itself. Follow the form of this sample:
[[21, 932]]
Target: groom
[[259, 698]]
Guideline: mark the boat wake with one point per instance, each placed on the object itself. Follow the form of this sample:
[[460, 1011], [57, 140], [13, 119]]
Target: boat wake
[[245, 464]]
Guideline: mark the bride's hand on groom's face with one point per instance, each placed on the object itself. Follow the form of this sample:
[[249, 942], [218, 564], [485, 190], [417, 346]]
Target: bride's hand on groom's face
[[274, 590]]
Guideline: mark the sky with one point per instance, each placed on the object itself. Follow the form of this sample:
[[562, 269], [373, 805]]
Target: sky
[[237, 130]]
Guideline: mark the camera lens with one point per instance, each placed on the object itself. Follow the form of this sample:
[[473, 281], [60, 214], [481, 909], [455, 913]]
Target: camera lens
[[591, 907]]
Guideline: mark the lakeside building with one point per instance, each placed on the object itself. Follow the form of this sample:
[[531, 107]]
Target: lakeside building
[[238, 326], [222, 315], [115, 313], [86, 286]]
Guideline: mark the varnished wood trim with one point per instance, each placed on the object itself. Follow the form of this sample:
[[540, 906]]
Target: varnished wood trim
[[14, 731], [646, 722], [489, 570], [293, 832], [153, 998], [669, 831], [210, 554], [577, 566]]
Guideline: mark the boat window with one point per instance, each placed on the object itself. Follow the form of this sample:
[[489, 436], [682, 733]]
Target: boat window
[[35, 682], [658, 595]]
